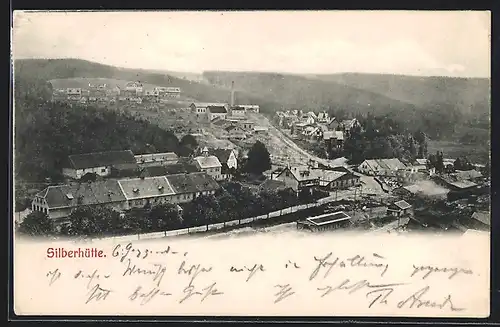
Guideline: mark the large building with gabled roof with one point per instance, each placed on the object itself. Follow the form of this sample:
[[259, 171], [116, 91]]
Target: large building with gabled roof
[[99, 163]]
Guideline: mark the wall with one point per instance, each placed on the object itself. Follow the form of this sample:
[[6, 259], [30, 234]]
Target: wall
[[290, 181]]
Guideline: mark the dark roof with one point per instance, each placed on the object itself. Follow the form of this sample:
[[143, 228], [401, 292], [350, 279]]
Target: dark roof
[[88, 193], [329, 218], [217, 109], [191, 183], [178, 168], [342, 169], [221, 154], [271, 184], [101, 159]]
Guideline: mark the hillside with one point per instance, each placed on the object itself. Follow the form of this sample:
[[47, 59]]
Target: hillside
[[467, 95], [43, 70], [294, 91]]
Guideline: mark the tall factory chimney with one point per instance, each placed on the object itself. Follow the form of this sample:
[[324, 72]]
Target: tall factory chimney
[[232, 94]]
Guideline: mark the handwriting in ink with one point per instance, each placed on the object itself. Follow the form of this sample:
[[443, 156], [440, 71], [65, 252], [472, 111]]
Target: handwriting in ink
[[193, 270], [97, 293], [416, 301], [90, 277], [158, 272], [291, 264], [352, 287], [54, 275], [381, 295], [284, 292], [359, 261], [253, 270], [146, 296], [428, 270], [323, 263], [210, 290]]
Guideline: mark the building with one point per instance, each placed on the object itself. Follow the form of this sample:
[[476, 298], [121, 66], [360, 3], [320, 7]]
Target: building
[[238, 112], [144, 191], [328, 221], [236, 133], [333, 124], [190, 186], [483, 218], [134, 87], [180, 167], [171, 92], [349, 124], [469, 175], [121, 195], [247, 125], [215, 112], [323, 117], [99, 163], [202, 107], [226, 156], [250, 107], [156, 159], [58, 201], [260, 130], [272, 185], [298, 178], [333, 180], [381, 167], [399, 209], [74, 92], [453, 184], [209, 164]]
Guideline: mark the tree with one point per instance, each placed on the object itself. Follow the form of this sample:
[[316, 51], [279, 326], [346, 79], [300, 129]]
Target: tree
[[259, 159], [93, 221], [188, 144], [37, 224], [164, 217]]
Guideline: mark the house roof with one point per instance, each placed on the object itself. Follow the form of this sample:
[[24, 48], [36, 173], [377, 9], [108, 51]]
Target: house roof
[[67, 196], [482, 216], [349, 122], [327, 175], [249, 106], [222, 154], [208, 162], [234, 128], [101, 159], [383, 164], [208, 104], [272, 184], [421, 161], [402, 204], [191, 183], [170, 156], [329, 218], [468, 174], [463, 184], [217, 109], [147, 187], [177, 168], [301, 173], [338, 135]]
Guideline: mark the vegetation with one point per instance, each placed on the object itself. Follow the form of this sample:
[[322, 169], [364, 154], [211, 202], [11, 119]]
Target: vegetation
[[36, 224], [259, 159], [383, 137]]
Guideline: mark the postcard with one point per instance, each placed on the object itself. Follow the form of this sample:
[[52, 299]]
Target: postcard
[[251, 163]]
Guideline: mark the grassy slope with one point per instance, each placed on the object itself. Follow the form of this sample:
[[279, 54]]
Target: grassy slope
[[464, 94]]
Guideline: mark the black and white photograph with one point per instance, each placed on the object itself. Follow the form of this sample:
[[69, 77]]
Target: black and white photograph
[[240, 163]]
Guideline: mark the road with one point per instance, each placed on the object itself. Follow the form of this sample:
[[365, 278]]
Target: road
[[273, 131]]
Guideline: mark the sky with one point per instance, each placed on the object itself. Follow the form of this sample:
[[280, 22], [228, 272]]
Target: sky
[[444, 43]]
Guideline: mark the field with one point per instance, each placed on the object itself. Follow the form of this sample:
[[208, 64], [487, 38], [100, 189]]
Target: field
[[476, 153]]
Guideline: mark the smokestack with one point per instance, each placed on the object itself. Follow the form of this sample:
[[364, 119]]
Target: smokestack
[[232, 94]]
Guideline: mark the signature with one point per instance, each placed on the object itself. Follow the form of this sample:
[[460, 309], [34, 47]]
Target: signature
[[428, 270], [210, 290], [416, 301], [355, 286], [97, 293], [253, 270], [158, 272], [356, 261], [146, 296]]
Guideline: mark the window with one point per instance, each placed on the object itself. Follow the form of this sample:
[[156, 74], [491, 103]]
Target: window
[[103, 170]]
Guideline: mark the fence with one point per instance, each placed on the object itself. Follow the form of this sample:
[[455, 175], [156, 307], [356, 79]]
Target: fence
[[212, 227]]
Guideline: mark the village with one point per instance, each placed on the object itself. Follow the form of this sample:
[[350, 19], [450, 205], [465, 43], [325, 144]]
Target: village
[[387, 194]]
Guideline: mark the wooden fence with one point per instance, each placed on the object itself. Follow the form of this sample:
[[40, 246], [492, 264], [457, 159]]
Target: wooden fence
[[211, 227]]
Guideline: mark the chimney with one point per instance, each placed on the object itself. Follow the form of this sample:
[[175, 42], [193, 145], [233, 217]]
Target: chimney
[[232, 94]]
